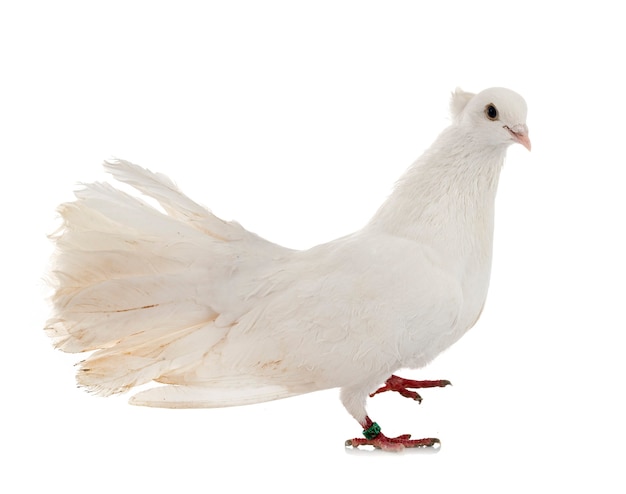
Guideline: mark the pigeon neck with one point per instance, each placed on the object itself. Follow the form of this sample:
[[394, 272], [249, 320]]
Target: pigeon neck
[[446, 198]]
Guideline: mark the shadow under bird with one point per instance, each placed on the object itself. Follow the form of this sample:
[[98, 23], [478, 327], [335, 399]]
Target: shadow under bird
[[223, 317]]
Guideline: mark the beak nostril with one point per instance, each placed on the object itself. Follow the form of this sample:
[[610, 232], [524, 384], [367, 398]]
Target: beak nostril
[[520, 134]]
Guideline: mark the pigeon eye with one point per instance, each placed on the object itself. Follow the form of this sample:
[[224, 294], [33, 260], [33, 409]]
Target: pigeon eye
[[491, 111]]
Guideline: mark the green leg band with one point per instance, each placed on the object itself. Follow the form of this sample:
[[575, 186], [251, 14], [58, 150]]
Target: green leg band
[[372, 431]]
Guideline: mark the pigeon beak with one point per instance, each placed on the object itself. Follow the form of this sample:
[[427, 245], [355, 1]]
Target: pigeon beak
[[520, 134]]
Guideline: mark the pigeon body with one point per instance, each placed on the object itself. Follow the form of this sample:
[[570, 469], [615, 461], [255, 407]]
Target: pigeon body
[[222, 317]]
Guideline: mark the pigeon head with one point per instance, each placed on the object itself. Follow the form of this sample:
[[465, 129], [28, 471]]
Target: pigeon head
[[495, 116]]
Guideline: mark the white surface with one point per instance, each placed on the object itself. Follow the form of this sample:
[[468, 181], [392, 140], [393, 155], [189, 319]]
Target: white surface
[[272, 112]]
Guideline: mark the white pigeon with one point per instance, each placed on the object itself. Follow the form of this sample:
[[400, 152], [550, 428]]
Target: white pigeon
[[222, 317]]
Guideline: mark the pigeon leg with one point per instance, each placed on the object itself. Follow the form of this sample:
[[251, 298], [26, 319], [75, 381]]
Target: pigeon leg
[[374, 437], [401, 385]]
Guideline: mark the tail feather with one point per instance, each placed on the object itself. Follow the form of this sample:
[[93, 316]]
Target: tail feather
[[122, 213], [173, 201], [184, 396]]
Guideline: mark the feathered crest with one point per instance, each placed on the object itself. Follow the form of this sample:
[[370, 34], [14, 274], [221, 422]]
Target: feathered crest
[[458, 101]]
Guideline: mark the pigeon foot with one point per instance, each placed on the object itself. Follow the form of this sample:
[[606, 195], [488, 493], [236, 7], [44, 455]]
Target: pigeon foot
[[374, 437], [403, 386], [393, 444]]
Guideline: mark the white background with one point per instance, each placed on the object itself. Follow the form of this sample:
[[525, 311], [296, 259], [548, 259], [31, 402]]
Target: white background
[[295, 118]]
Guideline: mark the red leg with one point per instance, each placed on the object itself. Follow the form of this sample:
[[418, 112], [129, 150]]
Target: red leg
[[401, 385], [374, 437]]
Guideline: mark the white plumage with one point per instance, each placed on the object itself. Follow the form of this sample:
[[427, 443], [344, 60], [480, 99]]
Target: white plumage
[[223, 317]]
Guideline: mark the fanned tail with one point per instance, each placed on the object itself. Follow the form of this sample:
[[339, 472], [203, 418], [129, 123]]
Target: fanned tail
[[134, 285]]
